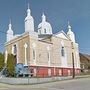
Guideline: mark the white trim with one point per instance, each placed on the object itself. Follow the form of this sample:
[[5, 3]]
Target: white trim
[[52, 66], [12, 49], [25, 53], [63, 58], [35, 71], [60, 72], [77, 59], [69, 72], [49, 72], [54, 71], [6, 55], [17, 53], [62, 32]]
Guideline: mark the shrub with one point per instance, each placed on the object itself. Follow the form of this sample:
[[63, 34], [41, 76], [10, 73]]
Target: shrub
[[1, 61], [10, 65]]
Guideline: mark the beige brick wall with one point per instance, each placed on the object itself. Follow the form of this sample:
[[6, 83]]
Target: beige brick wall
[[41, 50], [20, 41]]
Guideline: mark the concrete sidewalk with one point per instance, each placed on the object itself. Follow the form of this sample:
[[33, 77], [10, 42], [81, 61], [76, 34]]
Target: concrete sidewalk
[[36, 80]]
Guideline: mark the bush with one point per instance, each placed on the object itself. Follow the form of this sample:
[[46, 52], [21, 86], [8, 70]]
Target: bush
[[1, 61], [10, 65]]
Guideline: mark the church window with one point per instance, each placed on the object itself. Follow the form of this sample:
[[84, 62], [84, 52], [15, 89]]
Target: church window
[[48, 54], [14, 49], [62, 51], [39, 31], [45, 31], [33, 54]]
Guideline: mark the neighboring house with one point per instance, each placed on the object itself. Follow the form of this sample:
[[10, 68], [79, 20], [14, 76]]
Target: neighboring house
[[45, 53], [85, 62]]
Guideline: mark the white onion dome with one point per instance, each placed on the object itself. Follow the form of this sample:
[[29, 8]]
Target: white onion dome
[[44, 27], [10, 31], [28, 14]]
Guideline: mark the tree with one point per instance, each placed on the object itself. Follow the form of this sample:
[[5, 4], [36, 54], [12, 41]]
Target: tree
[[1, 61], [10, 65]]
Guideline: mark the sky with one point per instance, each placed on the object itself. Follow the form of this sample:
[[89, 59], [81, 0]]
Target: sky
[[58, 13]]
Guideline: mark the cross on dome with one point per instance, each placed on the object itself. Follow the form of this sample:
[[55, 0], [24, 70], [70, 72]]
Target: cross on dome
[[28, 11], [69, 27], [43, 17], [10, 25]]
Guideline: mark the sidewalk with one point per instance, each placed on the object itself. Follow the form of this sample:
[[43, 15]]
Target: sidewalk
[[36, 80], [82, 76]]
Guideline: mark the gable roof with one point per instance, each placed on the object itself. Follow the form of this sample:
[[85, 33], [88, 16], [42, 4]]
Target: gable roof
[[62, 34], [85, 56]]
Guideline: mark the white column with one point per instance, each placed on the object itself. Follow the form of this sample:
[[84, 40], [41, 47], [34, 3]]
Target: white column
[[49, 72], [6, 55], [60, 72], [35, 71], [69, 73], [25, 47], [17, 53], [54, 71]]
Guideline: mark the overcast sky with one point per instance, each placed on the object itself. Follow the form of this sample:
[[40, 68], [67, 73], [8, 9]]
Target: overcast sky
[[58, 12]]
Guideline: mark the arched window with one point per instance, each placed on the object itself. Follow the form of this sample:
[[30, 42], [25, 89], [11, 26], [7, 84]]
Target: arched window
[[48, 55], [45, 31], [39, 31], [14, 49], [62, 52], [34, 54]]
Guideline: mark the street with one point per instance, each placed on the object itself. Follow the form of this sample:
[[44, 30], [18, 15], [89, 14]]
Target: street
[[75, 84]]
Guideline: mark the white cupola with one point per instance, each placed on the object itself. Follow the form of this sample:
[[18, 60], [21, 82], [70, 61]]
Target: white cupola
[[70, 33], [29, 21], [9, 32], [44, 27]]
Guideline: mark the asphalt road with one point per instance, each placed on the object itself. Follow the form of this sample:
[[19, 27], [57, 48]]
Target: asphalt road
[[76, 84]]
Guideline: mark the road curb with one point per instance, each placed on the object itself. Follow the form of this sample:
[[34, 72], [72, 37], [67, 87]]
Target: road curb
[[21, 81]]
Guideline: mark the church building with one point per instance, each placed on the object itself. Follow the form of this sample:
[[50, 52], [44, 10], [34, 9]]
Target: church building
[[45, 53]]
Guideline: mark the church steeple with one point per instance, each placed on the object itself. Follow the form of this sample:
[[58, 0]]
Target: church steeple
[[9, 32], [69, 27], [70, 33], [29, 21], [10, 25], [28, 11], [43, 18]]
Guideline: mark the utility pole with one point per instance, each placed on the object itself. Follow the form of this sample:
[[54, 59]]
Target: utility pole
[[73, 72]]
